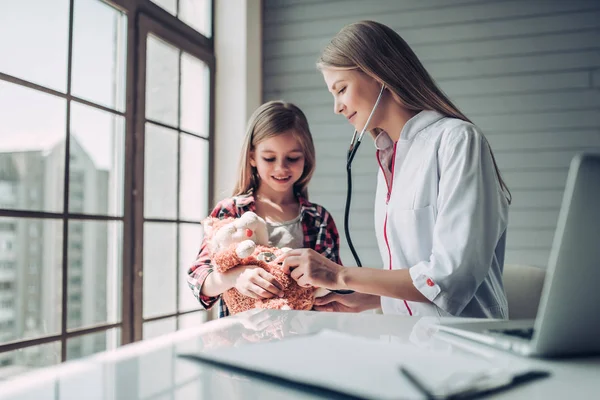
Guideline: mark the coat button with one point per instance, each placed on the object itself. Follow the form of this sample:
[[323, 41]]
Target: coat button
[[429, 282]]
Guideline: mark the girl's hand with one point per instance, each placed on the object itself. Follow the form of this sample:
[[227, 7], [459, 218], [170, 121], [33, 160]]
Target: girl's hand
[[354, 302], [258, 319], [255, 282]]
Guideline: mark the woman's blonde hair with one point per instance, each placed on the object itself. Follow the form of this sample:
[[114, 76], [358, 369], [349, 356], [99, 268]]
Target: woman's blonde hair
[[381, 53], [269, 120]]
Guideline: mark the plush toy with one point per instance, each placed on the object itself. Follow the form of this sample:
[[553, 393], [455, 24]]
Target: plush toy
[[244, 241]]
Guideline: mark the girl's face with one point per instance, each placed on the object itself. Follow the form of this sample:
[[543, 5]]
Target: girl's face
[[279, 161], [354, 94]]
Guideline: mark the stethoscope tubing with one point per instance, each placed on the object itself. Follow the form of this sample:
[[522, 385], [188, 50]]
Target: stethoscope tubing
[[354, 144]]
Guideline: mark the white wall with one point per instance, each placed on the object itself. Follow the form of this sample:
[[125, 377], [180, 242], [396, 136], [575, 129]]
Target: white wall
[[238, 53], [527, 72]]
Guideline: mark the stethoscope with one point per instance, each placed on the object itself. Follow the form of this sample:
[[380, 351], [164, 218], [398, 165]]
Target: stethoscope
[[354, 143]]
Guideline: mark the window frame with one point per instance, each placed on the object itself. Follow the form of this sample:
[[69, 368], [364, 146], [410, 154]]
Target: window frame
[[149, 25], [142, 17]]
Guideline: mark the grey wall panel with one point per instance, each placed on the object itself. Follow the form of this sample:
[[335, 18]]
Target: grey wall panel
[[526, 72]]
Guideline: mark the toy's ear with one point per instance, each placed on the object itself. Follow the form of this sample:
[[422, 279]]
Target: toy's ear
[[261, 220], [247, 219], [250, 217], [208, 224]]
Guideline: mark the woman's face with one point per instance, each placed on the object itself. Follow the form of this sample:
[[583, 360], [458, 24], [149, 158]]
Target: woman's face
[[354, 95]]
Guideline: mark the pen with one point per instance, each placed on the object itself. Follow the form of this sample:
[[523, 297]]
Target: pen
[[476, 389], [417, 383]]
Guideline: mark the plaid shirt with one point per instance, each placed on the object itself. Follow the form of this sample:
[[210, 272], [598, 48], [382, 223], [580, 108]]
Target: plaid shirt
[[320, 234]]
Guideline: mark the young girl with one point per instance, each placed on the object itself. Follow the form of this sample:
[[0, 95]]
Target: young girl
[[441, 206], [276, 164]]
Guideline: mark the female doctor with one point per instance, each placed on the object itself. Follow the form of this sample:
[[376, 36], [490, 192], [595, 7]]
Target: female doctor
[[441, 206]]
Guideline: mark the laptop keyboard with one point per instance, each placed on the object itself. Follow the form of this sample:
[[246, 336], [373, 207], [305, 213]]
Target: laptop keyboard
[[526, 333]]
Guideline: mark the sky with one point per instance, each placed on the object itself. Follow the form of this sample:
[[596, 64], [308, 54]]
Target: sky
[[34, 45]]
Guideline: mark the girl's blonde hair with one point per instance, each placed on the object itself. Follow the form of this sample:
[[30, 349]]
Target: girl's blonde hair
[[381, 53], [269, 120]]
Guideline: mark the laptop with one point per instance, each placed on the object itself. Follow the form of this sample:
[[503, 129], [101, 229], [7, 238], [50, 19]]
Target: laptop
[[568, 317]]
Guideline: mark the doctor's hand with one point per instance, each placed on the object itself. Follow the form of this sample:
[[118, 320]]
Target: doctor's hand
[[355, 302], [309, 268]]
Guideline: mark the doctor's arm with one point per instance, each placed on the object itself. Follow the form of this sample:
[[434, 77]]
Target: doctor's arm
[[308, 267], [464, 238], [471, 218]]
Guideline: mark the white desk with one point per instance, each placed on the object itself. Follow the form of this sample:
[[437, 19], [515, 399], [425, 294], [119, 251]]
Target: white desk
[[152, 370]]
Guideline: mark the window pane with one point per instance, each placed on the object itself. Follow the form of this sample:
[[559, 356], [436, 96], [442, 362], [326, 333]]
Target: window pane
[[86, 345], [160, 172], [30, 277], [96, 162], [197, 14], [94, 273], [159, 327], [195, 95], [193, 189], [33, 132], [190, 237], [23, 360], [34, 44], [159, 268], [162, 81], [99, 49], [192, 320], [168, 5]]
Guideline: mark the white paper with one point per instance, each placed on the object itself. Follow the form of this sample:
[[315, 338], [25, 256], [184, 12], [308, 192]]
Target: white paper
[[354, 365]]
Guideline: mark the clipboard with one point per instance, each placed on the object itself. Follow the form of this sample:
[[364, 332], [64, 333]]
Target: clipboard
[[339, 365]]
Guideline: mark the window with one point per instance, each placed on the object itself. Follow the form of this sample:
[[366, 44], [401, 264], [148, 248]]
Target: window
[[76, 228], [7, 187], [7, 265], [7, 226], [6, 244], [195, 13], [7, 325], [75, 298], [77, 177], [75, 314], [7, 304], [76, 280], [176, 142], [69, 168]]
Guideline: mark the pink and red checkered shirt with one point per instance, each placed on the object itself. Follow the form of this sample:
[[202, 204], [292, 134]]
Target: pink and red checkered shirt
[[320, 234]]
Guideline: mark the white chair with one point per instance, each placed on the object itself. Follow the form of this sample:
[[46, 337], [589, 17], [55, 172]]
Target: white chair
[[523, 285]]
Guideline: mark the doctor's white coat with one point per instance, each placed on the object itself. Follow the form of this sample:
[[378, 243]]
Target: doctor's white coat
[[441, 212]]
